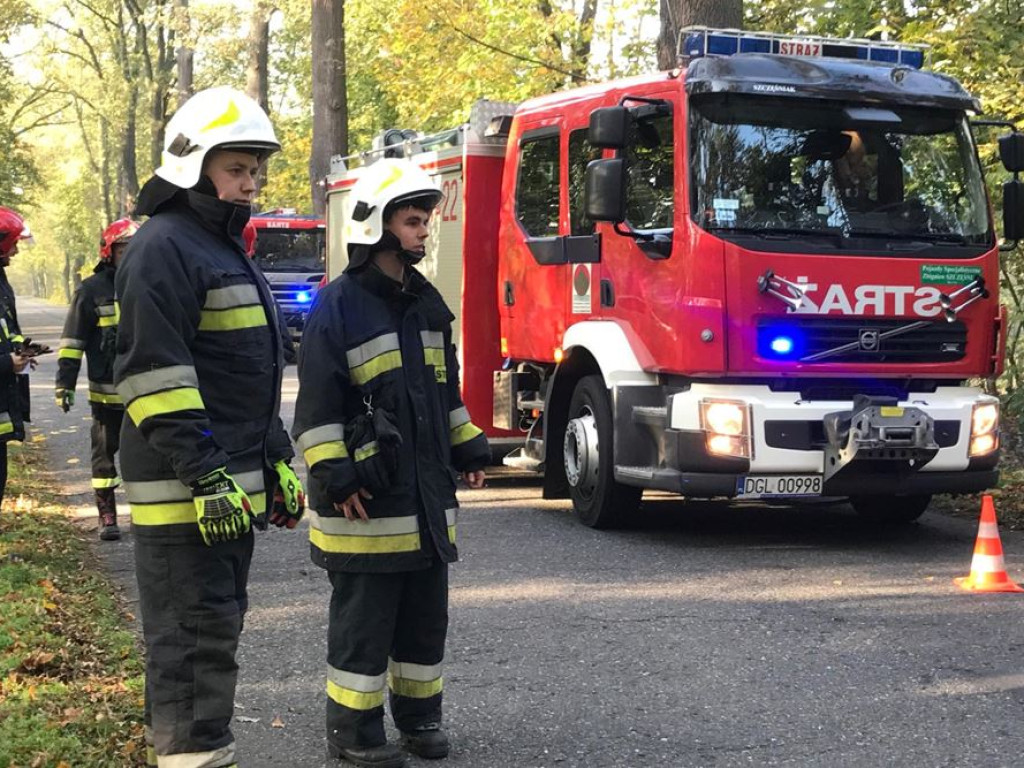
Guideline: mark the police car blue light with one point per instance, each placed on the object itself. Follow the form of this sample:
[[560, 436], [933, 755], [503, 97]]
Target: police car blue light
[[782, 345], [697, 42], [302, 297]]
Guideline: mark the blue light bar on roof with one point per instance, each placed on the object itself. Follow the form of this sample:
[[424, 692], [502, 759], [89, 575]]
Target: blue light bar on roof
[[696, 42]]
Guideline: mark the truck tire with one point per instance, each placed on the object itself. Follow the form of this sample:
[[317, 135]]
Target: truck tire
[[890, 510], [599, 501]]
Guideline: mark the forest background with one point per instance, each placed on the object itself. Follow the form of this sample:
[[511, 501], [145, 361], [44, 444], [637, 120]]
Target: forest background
[[86, 86]]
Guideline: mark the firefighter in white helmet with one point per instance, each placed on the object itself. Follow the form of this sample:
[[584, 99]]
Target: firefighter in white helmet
[[381, 425], [203, 450], [90, 331]]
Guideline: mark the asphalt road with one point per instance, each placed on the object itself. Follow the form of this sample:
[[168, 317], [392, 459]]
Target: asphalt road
[[708, 636]]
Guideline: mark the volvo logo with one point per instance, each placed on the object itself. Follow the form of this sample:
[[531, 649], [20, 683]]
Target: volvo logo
[[868, 339]]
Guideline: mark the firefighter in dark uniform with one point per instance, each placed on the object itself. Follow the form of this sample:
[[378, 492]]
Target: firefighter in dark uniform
[[381, 425], [90, 330], [199, 371], [13, 357]]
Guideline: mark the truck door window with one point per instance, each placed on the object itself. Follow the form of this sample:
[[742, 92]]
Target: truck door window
[[651, 189], [537, 186], [581, 152]]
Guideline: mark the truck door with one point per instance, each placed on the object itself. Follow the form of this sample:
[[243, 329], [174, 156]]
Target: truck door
[[582, 245]]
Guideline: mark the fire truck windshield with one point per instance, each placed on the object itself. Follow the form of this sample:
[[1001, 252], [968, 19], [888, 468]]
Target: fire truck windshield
[[295, 250], [776, 167]]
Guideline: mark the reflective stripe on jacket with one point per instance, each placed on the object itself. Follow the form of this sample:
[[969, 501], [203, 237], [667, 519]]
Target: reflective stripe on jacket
[[369, 339]]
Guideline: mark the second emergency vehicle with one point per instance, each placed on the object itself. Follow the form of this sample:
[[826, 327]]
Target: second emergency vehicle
[[290, 251]]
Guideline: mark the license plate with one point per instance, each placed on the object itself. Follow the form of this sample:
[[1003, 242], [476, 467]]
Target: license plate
[[777, 486]]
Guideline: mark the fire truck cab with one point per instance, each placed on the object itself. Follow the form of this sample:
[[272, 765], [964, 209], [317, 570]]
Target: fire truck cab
[[771, 273]]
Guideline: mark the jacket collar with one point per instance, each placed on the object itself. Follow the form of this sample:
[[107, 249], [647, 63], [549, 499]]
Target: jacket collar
[[222, 217]]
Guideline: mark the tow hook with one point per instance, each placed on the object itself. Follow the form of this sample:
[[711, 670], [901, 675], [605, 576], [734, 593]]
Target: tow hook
[[878, 430]]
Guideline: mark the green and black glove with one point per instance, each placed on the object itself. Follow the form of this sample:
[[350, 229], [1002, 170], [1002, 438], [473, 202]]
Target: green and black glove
[[65, 398], [223, 510], [289, 498]]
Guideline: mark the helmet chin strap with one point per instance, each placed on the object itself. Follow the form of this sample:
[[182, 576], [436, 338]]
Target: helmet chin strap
[[390, 242]]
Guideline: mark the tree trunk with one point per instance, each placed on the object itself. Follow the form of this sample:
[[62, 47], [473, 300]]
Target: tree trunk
[[677, 14], [330, 102], [129, 176], [256, 77], [184, 55]]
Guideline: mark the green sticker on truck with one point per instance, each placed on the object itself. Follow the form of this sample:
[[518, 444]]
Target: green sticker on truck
[[948, 274]]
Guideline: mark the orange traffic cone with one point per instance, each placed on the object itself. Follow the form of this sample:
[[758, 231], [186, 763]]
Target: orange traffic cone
[[988, 571]]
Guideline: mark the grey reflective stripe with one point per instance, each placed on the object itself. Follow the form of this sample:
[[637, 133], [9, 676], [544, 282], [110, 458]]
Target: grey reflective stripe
[[232, 296], [148, 382], [388, 342], [457, 417], [432, 339], [407, 670], [356, 682], [5, 417], [99, 386], [106, 310], [162, 491], [325, 433], [375, 526], [451, 515], [70, 343]]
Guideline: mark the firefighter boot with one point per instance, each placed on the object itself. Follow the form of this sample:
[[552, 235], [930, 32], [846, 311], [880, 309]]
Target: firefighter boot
[[108, 514], [427, 741], [384, 756]]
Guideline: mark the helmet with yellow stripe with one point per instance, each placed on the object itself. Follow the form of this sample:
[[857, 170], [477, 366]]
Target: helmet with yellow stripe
[[221, 118], [384, 186]]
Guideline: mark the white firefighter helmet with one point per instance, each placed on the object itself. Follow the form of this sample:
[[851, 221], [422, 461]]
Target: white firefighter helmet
[[387, 182], [215, 118]]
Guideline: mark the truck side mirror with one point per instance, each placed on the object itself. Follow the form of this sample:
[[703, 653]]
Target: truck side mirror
[[608, 127], [1011, 151], [604, 190], [1013, 208]]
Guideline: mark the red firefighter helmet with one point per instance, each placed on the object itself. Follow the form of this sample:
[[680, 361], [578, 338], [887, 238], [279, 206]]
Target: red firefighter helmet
[[121, 231], [249, 238], [12, 229]]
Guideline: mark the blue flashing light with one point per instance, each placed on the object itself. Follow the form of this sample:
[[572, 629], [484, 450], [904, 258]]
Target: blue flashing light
[[782, 345], [697, 42], [303, 297]]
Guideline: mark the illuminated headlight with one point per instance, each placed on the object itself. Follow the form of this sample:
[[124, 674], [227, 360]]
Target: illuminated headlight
[[725, 426], [984, 429]]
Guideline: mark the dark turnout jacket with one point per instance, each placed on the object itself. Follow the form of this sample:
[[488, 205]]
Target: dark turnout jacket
[[90, 329], [198, 363], [13, 387], [370, 339]]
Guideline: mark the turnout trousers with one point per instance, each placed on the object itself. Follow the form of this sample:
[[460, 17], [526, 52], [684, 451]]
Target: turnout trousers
[[193, 600], [386, 630], [106, 441]]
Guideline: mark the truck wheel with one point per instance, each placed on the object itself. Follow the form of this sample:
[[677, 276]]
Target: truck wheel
[[598, 500], [890, 510]]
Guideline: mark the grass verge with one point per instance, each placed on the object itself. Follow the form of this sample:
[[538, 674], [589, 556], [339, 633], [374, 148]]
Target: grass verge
[[71, 676]]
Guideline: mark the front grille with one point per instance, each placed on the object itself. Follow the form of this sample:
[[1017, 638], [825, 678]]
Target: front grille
[[810, 435], [934, 342]]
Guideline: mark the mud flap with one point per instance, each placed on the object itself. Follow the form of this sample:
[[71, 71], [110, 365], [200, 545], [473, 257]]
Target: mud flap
[[878, 435]]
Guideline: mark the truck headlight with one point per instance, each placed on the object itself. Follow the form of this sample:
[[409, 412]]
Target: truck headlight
[[725, 424], [984, 429]]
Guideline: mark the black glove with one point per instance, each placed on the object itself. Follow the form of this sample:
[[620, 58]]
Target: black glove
[[373, 441]]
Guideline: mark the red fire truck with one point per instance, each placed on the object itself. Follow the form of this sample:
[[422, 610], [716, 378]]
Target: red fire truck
[[770, 273], [290, 251]]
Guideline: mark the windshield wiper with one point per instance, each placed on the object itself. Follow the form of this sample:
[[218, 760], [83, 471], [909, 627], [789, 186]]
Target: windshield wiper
[[781, 233]]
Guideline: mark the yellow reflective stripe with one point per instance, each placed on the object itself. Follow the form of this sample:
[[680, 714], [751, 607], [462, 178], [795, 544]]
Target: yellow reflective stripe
[[465, 433], [171, 513], [364, 545], [106, 482], [415, 689], [230, 116], [101, 397], [17, 337], [6, 427], [389, 361], [150, 757], [361, 700], [159, 403], [232, 319], [335, 449], [450, 516], [107, 322], [70, 354], [433, 356], [366, 451], [451, 533]]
